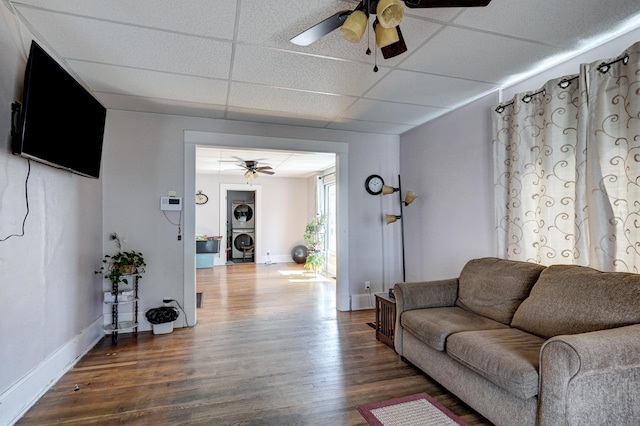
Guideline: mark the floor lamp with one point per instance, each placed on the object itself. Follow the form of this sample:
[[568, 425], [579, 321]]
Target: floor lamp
[[390, 218]]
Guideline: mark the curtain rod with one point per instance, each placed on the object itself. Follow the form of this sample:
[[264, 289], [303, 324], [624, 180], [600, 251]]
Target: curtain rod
[[605, 66], [328, 174], [565, 82]]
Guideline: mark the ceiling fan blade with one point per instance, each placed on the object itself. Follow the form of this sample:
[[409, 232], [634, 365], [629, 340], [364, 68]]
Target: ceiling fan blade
[[396, 48], [266, 172], [321, 29], [263, 168], [445, 3]]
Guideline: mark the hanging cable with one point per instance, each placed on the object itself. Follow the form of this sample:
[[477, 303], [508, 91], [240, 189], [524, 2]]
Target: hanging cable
[[26, 198]]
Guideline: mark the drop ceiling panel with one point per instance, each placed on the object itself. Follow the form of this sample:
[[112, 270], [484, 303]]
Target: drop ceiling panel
[[389, 112], [181, 16], [427, 89], [476, 55], [159, 106], [370, 127], [304, 72], [116, 44], [292, 102], [275, 117], [565, 23], [148, 84], [233, 59]]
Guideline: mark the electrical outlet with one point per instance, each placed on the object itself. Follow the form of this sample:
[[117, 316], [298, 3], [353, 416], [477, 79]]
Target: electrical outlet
[[367, 285]]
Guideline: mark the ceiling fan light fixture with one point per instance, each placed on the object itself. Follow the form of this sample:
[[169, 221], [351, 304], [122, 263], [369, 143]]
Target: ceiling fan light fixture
[[389, 13], [394, 49], [354, 27], [385, 36]]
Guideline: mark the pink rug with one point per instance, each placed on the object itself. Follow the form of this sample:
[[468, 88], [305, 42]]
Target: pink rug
[[415, 410]]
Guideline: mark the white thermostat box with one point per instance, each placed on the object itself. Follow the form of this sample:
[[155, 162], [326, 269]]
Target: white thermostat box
[[171, 203]]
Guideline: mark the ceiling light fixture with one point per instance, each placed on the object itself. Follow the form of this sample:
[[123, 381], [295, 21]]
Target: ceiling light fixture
[[354, 27], [353, 23]]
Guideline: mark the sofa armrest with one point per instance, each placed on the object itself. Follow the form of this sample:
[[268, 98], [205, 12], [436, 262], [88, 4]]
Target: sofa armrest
[[418, 295], [591, 378]]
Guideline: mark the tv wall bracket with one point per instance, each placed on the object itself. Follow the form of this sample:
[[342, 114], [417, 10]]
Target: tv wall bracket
[[16, 109]]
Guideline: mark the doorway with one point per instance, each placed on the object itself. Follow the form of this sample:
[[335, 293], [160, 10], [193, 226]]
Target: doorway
[[241, 226], [340, 149]]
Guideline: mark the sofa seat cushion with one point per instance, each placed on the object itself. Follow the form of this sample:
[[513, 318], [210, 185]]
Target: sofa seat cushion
[[434, 325], [508, 358], [494, 287], [571, 299]]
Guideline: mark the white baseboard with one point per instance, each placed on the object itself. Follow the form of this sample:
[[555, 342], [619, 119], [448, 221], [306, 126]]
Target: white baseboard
[[17, 400]]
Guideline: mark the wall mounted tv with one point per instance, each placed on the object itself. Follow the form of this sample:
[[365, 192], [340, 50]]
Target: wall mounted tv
[[60, 124]]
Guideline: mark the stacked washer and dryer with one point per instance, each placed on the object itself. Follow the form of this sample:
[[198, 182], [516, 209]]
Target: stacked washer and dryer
[[242, 227]]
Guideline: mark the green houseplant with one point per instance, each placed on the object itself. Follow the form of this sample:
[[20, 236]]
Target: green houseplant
[[119, 266], [314, 238]]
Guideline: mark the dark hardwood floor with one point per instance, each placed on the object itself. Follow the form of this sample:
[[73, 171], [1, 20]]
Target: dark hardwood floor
[[269, 349]]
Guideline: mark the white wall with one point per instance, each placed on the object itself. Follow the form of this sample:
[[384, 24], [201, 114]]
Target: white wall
[[449, 163], [50, 299], [283, 215], [144, 158]]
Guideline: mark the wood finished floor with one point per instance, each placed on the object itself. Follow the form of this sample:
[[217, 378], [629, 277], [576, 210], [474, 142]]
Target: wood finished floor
[[269, 349]]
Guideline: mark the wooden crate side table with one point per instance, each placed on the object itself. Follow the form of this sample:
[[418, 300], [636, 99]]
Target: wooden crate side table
[[385, 318]]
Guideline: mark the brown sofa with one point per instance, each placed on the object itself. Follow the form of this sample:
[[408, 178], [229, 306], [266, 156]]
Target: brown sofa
[[527, 345]]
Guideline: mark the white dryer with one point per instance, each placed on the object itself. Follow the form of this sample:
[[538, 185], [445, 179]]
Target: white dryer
[[241, 238], [242, 215]]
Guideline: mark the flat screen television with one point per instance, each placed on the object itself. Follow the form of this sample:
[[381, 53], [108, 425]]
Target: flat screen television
[[60, 124]]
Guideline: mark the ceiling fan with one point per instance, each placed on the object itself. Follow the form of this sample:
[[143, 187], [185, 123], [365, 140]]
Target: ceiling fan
[[389, 13], [252, 169]]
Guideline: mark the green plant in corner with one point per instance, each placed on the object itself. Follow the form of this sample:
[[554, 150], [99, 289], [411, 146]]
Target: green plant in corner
[[119, 266], [314, 238]]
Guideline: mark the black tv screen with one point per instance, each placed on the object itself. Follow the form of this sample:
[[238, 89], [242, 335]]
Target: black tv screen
[[61, 123]]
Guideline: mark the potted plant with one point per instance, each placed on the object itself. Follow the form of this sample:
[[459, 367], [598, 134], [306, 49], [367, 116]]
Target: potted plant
[[314, 238], [117, 267]]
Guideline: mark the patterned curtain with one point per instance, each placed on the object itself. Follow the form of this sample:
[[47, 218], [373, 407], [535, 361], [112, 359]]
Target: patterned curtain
[[567, 169]]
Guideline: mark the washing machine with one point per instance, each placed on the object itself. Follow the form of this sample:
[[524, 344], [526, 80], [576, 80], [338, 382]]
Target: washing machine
[[241, 238], [242, 215]]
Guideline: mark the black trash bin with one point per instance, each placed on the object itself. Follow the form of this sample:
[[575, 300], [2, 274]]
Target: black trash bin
[[162, 319]]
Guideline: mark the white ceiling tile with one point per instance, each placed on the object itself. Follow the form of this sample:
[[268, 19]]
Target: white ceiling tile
[[559, 23], [389, 112], [370, 127], [292, 102], [106, 42], [275, 117], [159, 106], [285, 69], [151, 84], [476, 55], [427, 89], [210, 18]]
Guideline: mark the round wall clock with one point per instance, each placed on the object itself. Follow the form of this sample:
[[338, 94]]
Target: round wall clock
[[201, 198], [374, 184]]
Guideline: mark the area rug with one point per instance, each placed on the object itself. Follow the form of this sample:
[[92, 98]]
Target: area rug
[[415, 410]]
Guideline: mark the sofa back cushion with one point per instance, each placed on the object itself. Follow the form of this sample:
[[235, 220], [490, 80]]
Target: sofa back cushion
[[571, 299], [494, 287]]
